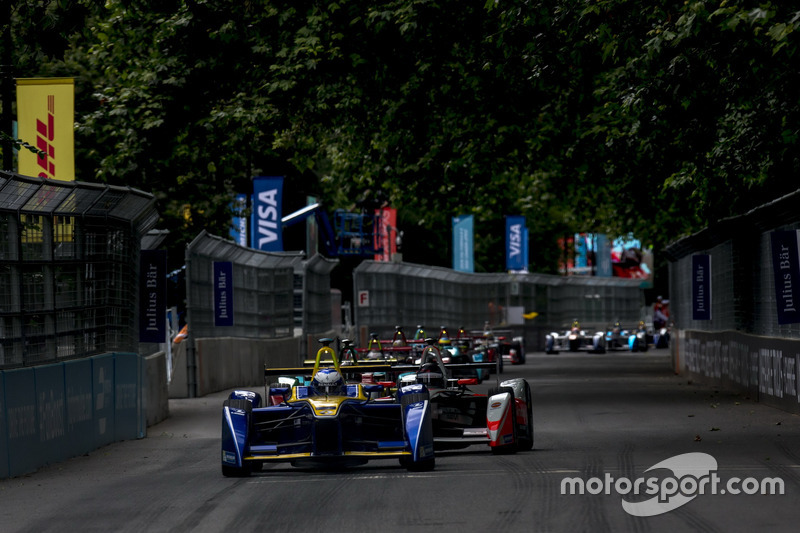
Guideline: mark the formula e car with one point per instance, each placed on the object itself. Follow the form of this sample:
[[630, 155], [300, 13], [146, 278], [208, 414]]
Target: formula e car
[[502, 419], [512, 349], [616, 337], [575, 339], [328, 422], [637, 339], [396, 351]]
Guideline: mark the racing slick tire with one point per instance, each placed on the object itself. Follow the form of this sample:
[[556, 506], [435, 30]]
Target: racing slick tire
[[520, 352], [246, 468], [507, 448], [550, 345], [420, 466], [526, 441]]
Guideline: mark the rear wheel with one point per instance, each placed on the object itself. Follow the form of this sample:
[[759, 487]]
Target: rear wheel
[[526, 441]]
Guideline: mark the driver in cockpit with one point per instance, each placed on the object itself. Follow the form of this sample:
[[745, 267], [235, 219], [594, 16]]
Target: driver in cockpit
[[328, 382]]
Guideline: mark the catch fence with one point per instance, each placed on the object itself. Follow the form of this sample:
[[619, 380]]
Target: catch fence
[[391, 294], [69, 256], [739, 340], [743, 296], [275, 294]]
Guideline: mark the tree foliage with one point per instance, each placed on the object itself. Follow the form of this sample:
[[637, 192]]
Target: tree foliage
[[611, 116]]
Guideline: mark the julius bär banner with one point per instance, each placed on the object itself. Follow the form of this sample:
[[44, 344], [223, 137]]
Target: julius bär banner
[[45, 117], [153, 296], [701, 287], [223, 293], [786, 269]]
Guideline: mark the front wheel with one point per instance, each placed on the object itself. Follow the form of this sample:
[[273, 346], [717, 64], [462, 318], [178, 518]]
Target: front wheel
[[425, 465], [233, 471]]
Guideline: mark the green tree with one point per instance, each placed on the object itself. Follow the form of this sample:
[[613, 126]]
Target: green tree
[[609, 116]]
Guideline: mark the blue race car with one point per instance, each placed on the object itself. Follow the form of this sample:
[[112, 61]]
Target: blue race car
[[326, 423]]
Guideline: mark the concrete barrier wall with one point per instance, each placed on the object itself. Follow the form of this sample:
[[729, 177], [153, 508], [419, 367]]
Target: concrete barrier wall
[[156, 398], [50, 413], [227, 362], [767, 369]]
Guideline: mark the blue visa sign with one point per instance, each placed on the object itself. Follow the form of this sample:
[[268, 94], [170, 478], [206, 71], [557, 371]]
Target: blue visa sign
[[267, 232], [786, 270], [701, 287], [516, 243], [223, 293]]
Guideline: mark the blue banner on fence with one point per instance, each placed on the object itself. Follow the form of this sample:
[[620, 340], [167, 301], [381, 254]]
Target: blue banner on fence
[[78, 394], [786, 269], [153, 296], [128, 403], [239, 221], [103, 390], [463, 235], [701, 287], [22, 421], [602, 256], [223, 293], [516, 246], [267, 232], [3, 431]]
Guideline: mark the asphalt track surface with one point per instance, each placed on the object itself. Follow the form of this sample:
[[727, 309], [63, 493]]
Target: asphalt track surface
[[596, 416]]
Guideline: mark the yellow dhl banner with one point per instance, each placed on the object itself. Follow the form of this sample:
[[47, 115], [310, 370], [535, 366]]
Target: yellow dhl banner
[[45, 119]]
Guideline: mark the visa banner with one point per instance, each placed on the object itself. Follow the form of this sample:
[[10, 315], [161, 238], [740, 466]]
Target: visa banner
[[267, 230], [786, 269], [701, 287], [516, 243], [45, 117], [463, 243]]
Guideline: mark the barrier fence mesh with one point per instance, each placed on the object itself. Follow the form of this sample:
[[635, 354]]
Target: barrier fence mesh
[[273, 293], [391, 294], [743, 296], [68, 268]]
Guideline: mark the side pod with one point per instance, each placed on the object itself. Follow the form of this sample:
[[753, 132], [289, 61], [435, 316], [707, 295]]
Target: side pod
[[500, 420]]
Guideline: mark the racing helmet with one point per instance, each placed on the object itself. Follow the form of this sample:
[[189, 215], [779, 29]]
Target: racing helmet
[[328, 381]]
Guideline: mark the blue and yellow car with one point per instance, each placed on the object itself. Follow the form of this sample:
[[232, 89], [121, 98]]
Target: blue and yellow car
[[327, 422]]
